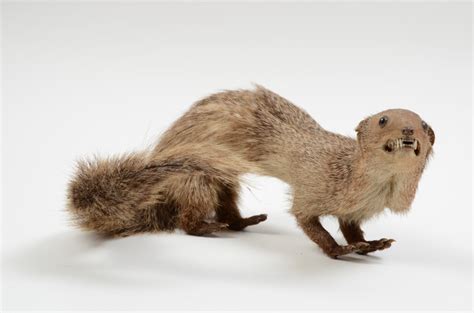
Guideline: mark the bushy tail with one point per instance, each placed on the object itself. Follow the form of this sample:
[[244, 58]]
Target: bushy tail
[[108, 195]]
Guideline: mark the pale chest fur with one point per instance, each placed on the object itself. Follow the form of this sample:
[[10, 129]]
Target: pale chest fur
[[371, 194]]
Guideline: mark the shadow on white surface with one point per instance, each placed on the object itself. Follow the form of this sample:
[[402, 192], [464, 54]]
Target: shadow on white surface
[[256, 264], [147, 259]]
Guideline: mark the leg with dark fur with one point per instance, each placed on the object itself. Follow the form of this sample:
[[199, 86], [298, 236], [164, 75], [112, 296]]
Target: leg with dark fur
[[316, 232], [228, 212], [353, 233]]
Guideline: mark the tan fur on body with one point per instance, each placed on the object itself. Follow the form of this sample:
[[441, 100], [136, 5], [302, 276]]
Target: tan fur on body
[[190, 180]]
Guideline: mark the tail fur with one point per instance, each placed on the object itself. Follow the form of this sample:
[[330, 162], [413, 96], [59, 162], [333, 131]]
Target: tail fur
[[144, 192], [119, 196]]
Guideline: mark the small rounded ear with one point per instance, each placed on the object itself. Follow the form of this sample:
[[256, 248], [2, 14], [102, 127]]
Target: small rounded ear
[[431, 134], [360, 129]]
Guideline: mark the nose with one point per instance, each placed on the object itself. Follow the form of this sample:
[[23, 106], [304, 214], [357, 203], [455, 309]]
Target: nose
[[407, 131]]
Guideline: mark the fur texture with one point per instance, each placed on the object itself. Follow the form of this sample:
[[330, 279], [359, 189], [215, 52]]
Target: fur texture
[[190, 179]]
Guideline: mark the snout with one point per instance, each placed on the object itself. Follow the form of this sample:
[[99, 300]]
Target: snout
[[408, 131]]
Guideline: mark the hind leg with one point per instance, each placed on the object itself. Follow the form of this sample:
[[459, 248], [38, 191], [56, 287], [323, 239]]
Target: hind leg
[[196, 196], [228, 212]]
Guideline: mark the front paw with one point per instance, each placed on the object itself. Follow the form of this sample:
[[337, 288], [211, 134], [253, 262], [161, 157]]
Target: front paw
[[350, 248], [375, 245]]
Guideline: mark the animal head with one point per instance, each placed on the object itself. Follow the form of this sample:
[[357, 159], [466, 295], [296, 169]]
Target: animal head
[[396, 136]]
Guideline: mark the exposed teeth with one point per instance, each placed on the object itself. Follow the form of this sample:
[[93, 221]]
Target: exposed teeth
[[398, 144]]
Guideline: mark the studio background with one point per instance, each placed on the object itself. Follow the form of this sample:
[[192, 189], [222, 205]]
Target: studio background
[[85, 78]]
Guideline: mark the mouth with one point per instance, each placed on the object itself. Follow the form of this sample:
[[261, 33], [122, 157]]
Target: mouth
[[402, 144]]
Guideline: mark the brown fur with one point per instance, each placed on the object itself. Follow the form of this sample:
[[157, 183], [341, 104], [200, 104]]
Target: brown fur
[[190, 180]]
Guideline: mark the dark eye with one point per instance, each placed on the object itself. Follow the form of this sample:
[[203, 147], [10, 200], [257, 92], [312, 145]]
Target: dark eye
[[424, 125], [383, 121]]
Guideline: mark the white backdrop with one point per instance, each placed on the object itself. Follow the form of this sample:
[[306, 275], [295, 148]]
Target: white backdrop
[[84, 78]]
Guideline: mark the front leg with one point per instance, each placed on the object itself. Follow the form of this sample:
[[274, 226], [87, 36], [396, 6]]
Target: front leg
[[313, 228], [353, 233]]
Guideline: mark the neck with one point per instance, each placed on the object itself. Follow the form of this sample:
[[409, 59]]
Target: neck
[[398, 185]]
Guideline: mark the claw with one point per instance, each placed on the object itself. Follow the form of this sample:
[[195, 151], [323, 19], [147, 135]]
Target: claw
[[375, 245], [387, 243]]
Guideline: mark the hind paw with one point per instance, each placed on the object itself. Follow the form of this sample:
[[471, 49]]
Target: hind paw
[[205, 228], [248, 221]]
